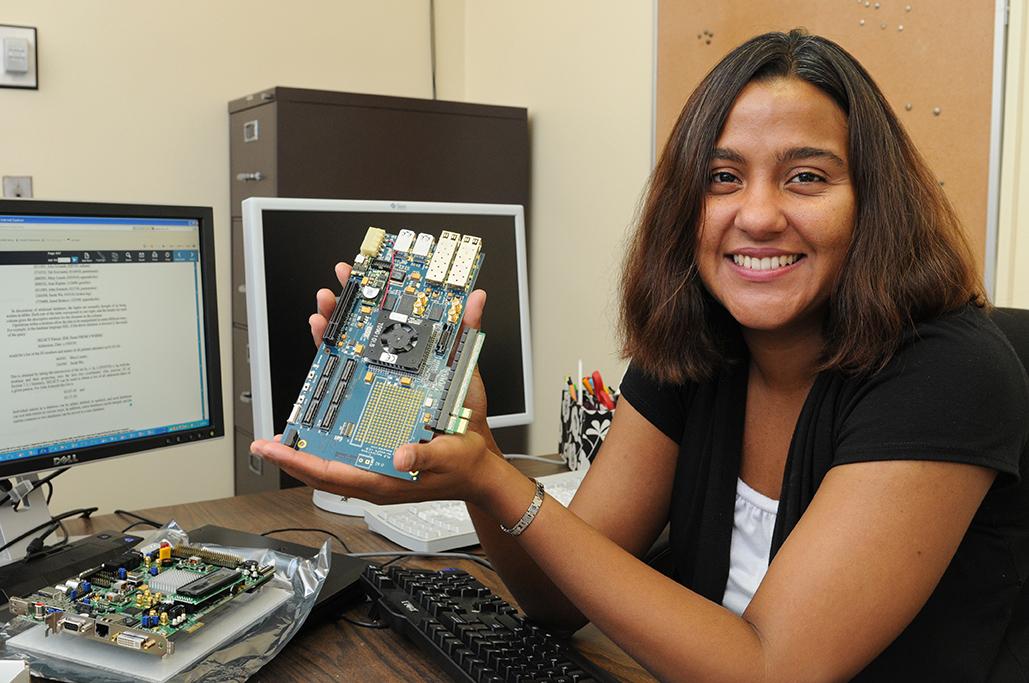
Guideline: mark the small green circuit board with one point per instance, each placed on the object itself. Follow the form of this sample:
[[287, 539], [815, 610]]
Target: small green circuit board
[[394, 364], [144, 599]]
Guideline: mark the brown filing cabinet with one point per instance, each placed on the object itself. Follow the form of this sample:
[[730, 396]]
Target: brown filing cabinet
[[291, 142]]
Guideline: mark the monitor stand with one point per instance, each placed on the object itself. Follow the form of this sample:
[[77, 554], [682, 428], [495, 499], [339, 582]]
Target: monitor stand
[[341, 505], [32, 512]]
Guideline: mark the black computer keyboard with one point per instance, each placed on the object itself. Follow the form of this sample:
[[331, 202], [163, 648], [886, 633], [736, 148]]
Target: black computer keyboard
[[472, 633]]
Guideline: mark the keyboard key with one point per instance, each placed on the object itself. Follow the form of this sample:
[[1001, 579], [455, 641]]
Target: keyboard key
[[474, 666]]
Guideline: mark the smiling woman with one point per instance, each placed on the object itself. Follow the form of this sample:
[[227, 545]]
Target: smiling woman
[[844, 141], [818, 406], [805, 324]]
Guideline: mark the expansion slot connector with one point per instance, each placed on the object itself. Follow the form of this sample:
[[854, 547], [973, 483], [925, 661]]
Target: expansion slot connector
[[330, 365], [342, 311], [312, 410], [337, 394], [453, 416], [208, 556]]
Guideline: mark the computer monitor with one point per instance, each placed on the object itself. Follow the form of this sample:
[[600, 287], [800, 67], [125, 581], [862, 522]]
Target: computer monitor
[[291, 247], [109, 330]]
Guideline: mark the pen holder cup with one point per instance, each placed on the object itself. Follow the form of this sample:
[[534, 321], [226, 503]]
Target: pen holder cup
[[582, 431]]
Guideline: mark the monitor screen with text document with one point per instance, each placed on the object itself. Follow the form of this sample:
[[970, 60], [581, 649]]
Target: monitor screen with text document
[[109, 331]]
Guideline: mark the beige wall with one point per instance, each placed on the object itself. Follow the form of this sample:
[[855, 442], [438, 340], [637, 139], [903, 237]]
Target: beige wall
[[584, 71], [1013, 239], [132, 108]]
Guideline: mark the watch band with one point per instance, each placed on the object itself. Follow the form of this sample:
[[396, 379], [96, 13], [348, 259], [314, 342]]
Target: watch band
[[530, 514]]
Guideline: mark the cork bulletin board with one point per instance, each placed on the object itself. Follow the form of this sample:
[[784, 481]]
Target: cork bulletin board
[[933, 59]]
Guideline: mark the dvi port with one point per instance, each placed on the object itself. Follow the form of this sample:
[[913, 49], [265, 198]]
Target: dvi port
[[132, 640]]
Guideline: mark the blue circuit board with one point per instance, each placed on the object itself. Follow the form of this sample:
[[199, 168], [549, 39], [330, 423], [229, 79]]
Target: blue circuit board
[[394, 364]]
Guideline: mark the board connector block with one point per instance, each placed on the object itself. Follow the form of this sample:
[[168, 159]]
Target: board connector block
[[441, 258], [344, 303], [453, 416], [312, 410], [458, 423], [337, 394], [405, 238], [372, 242], [208, 556], [443, 343], [464, 261], [423, 244], [330, 365]]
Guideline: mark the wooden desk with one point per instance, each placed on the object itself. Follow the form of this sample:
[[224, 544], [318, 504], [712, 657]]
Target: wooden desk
[[334, 651]]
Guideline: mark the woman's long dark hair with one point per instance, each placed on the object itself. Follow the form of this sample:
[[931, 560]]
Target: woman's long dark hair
[[908, 259]]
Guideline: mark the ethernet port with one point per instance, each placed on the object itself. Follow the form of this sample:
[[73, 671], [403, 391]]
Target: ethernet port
[[102, 630]]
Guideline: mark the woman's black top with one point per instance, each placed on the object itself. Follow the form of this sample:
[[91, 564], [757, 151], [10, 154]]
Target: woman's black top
[[955, 391]]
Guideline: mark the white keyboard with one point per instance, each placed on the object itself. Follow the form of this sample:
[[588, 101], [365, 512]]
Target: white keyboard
[[441, 525]]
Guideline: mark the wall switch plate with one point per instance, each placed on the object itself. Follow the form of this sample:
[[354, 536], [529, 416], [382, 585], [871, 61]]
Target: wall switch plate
[[19, 66], [19, 186], [16, 55]]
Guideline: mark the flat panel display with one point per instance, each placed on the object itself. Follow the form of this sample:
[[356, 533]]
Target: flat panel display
[[109, 331], [292, 246]]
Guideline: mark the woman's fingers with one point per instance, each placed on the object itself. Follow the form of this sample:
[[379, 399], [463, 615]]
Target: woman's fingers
[[444, 454], [327, 475], [325, 302], [473, 308], [336, 477], [411, 458], [343, 272], [318, 324]]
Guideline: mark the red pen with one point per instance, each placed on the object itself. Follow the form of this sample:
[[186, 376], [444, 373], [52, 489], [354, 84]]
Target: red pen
[[601, 392]]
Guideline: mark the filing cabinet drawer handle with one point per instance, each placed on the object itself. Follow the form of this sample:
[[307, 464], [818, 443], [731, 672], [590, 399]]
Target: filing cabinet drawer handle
[[246, 397], [247, 177]]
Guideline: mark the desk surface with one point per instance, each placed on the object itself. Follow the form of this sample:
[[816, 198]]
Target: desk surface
[[333, 651]]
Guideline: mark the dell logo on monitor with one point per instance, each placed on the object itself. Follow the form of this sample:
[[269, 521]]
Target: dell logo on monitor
[[65, 459]]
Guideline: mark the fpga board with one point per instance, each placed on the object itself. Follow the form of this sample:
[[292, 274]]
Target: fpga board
[[394, 365], [146, 599]]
